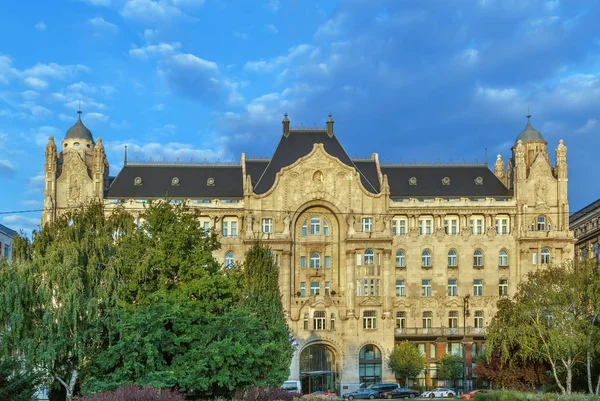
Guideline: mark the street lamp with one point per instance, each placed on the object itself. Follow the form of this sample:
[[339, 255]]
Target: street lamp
[[466, 314], [425, 378]]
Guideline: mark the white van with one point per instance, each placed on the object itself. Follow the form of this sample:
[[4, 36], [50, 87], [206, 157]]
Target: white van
[[292, 386]]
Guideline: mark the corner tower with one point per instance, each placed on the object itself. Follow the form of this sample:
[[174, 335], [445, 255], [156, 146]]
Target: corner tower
[[77, 174]]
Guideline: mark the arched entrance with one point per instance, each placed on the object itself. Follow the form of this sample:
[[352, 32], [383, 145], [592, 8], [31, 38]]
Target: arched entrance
[[318, 369], [369, 365]]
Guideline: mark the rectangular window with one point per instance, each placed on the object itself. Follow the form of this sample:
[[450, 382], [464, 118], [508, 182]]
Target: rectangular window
[[303, 262], [452, 288], [478, 288], [400, 288], [421, 348], [327, 288], [479, 319], [541, 223], [319, 320], [477, 225], [358, 259], [267, 225], [425, 225], [315, 225], [426, 288], [315, 288], [534, 258], [327, 262], [401, 320], [399, 226], [502, 225], [451, 225], [303, 289], [367, 224], [432, 350], [366, 287], [454, 349], [427, 320], [503, 288], [369, 320], [453, 319]]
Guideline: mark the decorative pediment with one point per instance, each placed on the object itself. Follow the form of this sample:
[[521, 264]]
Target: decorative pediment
[[371, 301], [317, 301]]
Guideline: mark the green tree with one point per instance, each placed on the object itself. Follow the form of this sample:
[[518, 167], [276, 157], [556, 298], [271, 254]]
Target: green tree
[[513, 375], [406, 361], [17, 384], [450, 367], [547, 321], [55, 295]]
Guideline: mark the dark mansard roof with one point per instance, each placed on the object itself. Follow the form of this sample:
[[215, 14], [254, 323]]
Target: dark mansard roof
[[431, 181]]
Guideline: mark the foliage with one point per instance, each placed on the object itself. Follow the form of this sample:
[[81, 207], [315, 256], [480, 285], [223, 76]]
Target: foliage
[[15, 384], [505, 395], [547, 321], [450, 367], [135, 393], [515, 375], [268, 394], [51, 291], [406, 361]]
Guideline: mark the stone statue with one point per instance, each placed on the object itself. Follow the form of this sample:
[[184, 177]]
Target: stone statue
[[540, 192], [286, 224], [350, 220], [249, 225]]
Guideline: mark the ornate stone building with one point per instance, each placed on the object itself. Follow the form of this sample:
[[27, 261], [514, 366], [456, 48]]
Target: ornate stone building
[[585, 223], [370, 254]]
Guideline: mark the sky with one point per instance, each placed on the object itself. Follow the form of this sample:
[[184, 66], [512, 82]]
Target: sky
[[193, 80]]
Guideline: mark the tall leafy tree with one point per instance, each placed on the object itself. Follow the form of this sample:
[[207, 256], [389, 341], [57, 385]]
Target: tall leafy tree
[[406, 361], [450, 367], [548, 321], [54, 296], [17, 384]]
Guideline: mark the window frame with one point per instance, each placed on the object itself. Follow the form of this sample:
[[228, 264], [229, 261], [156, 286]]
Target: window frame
[[502, 254], [229, 260], [319, 320], [369, 257], [451, 225], [367, 224], [502, 224], [452, 258], [369, 320], [478, 319], [503, 287], [229, 227], [400, 288], [400, 258], [426, 287], [315, 225], [315, 260], [401, 320], [426, 258], [545, 256], [425, 225], [453, 319], [452, 287], [477, 225], [478, 287], [478, 258], [397, 228], [267, 225], [315, 288]]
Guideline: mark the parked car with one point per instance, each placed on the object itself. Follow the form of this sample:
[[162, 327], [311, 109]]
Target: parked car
[[439, 393], [362, 394], [383, 388], [473, 393], [292, 386], [402, 393]]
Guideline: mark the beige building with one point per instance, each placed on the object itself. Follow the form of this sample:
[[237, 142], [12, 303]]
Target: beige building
[[370, 254], [585, 224]]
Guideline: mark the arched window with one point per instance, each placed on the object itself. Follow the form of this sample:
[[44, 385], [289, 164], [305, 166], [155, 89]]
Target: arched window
[[369, 364], [400, 259], [315, 225], [503, 258], [319, 320], [229, 260], [315, 261], [426, 258], [478, 258], [369, 257], [452, 258], [546, 256], [325, 228]]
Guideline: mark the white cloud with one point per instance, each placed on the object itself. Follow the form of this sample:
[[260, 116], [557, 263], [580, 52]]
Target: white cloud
[[54, 70], [469, 57], [42, 134], [280, 61], [7, 71], [150, 10], [104, 3], [159, 107], [32, 203], [161, 49], [171, 152], [331, 27], [18, 222], [67, 118], [100, 25], [93, 118], [6, 168], [84, 105], [29, 95], [40, 26], [589, 126], [272, 5], [40, 111], [270, 28], [36, 183], [36, 83]]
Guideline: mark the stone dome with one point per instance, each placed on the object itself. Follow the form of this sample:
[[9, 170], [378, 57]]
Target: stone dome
[[79, 131], [530, 134]]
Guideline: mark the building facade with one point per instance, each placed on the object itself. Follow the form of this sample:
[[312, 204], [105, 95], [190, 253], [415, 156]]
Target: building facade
[[6, 242], [369, 254], [585, 225]]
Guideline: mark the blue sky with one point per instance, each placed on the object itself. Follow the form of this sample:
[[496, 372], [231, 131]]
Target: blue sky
[[415, 81]]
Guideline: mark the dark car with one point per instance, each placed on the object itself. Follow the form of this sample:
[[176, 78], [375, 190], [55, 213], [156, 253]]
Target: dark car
[[402, 393], [383, 388], [361, 394]]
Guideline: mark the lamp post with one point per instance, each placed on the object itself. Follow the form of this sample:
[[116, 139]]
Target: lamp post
[[466, 314], [425, 378]]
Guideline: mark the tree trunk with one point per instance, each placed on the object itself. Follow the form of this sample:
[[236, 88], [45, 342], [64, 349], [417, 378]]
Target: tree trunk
[[71, 386], [569, 377], [598, 386], [555, 374], [589, 357]]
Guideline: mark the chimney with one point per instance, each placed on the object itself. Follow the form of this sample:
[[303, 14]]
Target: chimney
[[286, 125], [330, 126]]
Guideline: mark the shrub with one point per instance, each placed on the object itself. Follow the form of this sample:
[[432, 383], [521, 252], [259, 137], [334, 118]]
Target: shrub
[[134, 393], [503, 395], [268, 394]]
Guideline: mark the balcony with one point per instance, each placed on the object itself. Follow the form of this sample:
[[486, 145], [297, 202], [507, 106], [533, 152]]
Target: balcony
[[368, 270], [439, 331]]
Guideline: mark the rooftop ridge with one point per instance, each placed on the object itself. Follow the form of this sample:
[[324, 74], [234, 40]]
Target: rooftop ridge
[[178, 163], [462, 163]]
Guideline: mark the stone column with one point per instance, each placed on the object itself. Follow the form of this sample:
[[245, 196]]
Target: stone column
[[286, 282], [350, 275], [512, 223], [386, 283]]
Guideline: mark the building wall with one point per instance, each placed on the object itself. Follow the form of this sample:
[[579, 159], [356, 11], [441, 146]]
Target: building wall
[[585, 224], [320, 186], [6, 244]]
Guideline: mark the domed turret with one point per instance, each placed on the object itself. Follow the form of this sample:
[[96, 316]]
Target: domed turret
[[79, 131], [530, 134]]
